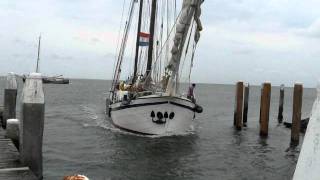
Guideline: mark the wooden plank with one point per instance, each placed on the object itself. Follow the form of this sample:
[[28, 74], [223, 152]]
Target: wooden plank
[[10, 165], [9, 156], [17, 175]]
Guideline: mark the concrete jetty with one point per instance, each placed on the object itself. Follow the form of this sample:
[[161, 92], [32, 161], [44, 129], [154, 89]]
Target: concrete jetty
[[309, 159], [31, 124], [21, 141], [10, 98]]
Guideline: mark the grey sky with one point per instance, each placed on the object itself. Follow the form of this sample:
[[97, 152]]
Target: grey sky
[[250, 40]]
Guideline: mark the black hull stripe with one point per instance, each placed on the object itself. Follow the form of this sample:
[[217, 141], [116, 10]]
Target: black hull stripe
[[138, 105], [129, 130], [182, 105], [171, 97], [150, 104]]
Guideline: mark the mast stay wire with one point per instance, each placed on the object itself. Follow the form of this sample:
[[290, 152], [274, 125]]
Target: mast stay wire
[[123, 45], [167, 40], [118, 37], [187, 48]]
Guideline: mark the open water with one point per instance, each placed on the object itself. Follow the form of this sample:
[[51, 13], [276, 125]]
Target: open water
[[79, 139]]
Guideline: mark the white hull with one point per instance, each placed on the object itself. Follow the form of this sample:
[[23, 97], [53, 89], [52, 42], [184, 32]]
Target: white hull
[[136, 116]]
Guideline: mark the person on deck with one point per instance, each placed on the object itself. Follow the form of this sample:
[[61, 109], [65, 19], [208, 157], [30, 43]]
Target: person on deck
[[190, 94]]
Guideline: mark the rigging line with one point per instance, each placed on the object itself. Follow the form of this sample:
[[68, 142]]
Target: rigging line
[[149, 9], [116, 69], [191, 63], [117, 54], [146, 18], [175, 8], [139, 62], [145, 14], [167, 40], [160, 37], [187, 47], [137, 47], [167, 45], [123, 45], [118, 37], [156, 35], [144, 64], [152, 37], [132, 51]]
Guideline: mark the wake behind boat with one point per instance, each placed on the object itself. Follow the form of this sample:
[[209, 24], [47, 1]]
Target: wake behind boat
[[149, 101]]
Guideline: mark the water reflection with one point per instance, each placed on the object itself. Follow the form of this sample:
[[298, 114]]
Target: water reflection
[[155, 158]]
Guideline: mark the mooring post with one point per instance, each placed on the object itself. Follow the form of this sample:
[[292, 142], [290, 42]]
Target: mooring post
[[12, 131], [296, 114], [238, 106], [281, 101], [265, 109], [10, 97], [245, 104], [31, 125], [1, 113]]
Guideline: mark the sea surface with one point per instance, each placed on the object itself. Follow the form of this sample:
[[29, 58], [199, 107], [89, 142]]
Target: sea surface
[[79, 138]]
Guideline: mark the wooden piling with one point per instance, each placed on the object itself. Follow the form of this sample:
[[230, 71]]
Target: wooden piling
[[265, 109], [31, 124], [281, 101], [245, 104], [12, 131], [296, 114], [10, 97], [1, 113], [238, 106]]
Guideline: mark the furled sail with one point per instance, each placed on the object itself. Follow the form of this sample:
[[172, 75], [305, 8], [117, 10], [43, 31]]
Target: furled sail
[[191, 10]]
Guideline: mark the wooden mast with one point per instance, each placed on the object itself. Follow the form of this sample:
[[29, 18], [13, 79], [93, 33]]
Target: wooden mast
[[137, 43], [152, 26], [38, 59]]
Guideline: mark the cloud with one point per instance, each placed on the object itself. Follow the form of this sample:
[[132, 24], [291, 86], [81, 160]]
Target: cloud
[[312, 31], [60, 57], [279, 37], [21, 42]]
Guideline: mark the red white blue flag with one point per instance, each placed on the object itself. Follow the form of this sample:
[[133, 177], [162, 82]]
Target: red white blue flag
[[144, 39]]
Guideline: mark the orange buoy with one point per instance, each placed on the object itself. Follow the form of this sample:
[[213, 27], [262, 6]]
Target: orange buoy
[[76, 177]]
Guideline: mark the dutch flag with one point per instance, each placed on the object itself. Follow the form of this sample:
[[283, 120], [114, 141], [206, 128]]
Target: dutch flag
[[144, 39]]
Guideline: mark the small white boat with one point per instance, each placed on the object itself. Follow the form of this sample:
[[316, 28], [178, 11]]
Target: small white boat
[[151, 103], [55, 80]]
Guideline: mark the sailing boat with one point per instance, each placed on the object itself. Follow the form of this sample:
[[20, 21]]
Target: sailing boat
[[45, 79], [149, 102]]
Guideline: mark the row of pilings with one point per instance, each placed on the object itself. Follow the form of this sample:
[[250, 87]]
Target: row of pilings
[[241, 108], [27, 132]]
